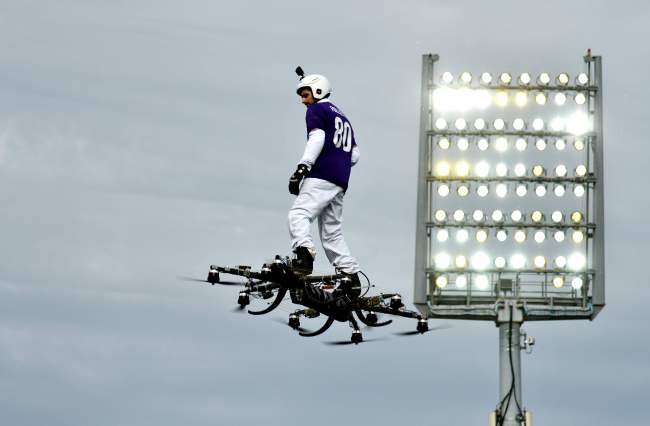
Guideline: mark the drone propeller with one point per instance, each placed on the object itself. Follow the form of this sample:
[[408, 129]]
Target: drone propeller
[[283, 322], [415, 332], [225, 283], [349, 342]]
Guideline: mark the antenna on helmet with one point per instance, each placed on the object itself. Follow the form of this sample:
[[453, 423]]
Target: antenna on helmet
[[300, 72]]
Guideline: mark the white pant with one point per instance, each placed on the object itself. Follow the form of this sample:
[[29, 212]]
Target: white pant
[[321, 199]]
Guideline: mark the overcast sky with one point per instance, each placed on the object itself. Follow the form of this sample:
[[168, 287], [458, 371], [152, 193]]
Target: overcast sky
[[144, 140]]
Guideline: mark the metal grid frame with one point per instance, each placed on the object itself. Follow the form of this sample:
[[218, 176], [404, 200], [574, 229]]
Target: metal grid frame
[[539, 302]]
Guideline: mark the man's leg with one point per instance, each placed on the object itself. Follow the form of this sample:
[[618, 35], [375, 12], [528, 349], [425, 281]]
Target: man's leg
[[314, 195], [331, 233]]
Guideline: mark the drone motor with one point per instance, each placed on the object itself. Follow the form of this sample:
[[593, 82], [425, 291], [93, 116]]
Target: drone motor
[[267, 294], [213, 276], [265, 270], [396, 302], [243, 299], [294, 321]]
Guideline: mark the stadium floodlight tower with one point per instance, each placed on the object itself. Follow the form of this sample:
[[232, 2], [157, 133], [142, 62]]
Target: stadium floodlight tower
[[510, 224]]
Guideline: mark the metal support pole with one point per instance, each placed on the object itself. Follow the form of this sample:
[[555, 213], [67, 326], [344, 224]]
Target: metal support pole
[[599, 194], [509, 320], [422, 209]]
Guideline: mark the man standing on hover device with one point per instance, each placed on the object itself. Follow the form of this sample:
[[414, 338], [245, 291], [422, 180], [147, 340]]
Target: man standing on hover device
[[324, 171]]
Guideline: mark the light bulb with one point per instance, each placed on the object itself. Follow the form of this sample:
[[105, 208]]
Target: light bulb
[[544, 78], [482, 282], [486, 78], [440, 216], [501, 190], [518, 261], [481, 235], [505, 78], [501, 144], [461, 281], [520, 236], [576, 283], [521, 190], [521, 144], [442, 261], [441, 281]]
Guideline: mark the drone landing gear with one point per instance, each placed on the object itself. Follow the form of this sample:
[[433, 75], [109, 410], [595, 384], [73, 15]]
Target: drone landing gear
[[423, 326], [294, 321], [323, 329], [278, 299], [356, 337], [371, 319], [243, 299], [213, 276]]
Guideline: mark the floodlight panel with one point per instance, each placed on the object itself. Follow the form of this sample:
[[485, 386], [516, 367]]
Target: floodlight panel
[[486, 176]]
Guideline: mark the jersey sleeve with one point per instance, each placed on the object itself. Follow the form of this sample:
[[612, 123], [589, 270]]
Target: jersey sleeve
[[315, 119], [355, 154]]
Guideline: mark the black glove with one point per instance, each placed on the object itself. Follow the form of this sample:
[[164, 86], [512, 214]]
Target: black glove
[[296, 178]]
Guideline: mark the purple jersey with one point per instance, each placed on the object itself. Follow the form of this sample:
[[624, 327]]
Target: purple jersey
[[335, 160]]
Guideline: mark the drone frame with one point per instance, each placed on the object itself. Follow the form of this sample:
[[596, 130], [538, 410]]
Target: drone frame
[[278, 278]]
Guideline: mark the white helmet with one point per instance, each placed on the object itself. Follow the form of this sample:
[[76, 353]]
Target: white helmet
[[319, 85]]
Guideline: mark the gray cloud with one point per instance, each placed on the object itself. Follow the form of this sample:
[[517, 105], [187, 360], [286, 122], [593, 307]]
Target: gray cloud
[[140, 141]]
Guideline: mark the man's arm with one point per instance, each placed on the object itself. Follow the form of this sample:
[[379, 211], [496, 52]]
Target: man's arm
[[355, 154], [312, 151], [314, 147]]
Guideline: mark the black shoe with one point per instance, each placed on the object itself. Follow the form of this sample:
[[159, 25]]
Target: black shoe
[[303, 264]]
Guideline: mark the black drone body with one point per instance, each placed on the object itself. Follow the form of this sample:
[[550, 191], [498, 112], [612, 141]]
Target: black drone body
[[318, 295]]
